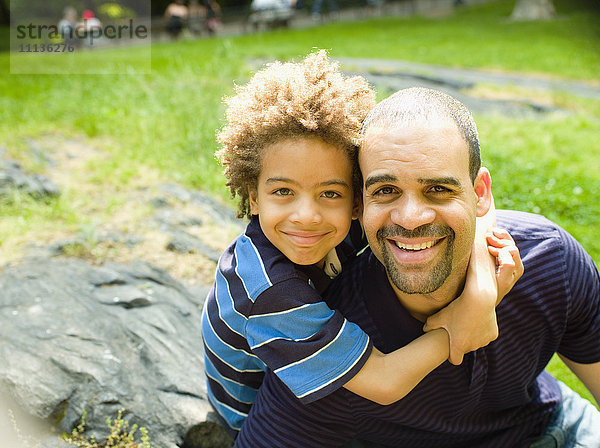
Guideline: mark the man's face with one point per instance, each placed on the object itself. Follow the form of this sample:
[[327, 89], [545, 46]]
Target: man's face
[[419, 208]]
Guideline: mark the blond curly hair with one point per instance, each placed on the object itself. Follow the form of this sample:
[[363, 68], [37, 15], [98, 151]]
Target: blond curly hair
[[288, 100]]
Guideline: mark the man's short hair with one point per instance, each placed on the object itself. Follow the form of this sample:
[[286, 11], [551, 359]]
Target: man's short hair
[[293, 100], [419, 103]]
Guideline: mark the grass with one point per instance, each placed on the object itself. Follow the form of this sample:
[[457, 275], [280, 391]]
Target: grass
[[478, 36], [166, 120], [120, 435]]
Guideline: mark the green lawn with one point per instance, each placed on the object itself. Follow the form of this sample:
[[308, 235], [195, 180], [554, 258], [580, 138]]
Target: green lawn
[[166, 120]]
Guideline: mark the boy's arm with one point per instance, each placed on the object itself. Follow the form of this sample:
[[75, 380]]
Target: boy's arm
[[386, 379], [494, 268]]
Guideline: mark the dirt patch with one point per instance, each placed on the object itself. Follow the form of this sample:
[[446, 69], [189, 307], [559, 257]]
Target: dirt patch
[[122, 224]]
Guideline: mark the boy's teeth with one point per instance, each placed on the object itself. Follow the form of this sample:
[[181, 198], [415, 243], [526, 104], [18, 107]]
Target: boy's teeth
[[421, 246]]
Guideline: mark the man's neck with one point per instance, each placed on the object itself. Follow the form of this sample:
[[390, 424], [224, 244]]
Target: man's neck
[[421, 306]]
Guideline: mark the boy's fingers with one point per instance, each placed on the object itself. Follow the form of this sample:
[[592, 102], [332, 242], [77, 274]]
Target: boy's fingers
[[499, 238], [502, 234], [432, 323], [516, 256], [456, 356], [505, 257], [510, 265], [506, 268], [493, 251], [493, 240]]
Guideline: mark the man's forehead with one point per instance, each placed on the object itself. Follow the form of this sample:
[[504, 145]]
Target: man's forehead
[[434, 123], [428, 142], [431, 133]]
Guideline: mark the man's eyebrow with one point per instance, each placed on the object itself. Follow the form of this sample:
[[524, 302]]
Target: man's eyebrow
[[379, 178], [445, 180]]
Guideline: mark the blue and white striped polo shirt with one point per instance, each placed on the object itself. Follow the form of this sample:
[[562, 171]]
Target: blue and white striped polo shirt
[[499, 396], [262, 313]]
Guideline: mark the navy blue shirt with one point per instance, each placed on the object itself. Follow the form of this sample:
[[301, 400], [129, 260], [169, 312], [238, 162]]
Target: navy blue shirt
[[499, 396], [262, 312]]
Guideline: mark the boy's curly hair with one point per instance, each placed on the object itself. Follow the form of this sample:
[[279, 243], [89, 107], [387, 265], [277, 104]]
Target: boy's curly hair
[[306, 99]]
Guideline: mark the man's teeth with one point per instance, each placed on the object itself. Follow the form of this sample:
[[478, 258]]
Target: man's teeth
[[421, 246]]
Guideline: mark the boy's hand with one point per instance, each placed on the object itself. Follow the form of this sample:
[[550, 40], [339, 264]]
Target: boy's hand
[[469, 323], [471, 319], [509, 266]]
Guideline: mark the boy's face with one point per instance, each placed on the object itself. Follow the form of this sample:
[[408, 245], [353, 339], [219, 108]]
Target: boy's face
[[304, 198]]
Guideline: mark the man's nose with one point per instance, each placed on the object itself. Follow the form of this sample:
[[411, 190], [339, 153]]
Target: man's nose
[[307, 211], [411, 212]]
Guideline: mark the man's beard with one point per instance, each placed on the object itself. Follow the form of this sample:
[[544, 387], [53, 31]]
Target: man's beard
[[417, 283]]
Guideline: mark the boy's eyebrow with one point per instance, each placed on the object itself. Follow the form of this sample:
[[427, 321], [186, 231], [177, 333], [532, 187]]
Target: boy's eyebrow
[[340, 182], [335, 182], [379, 178], [444, 180], [271, 180]]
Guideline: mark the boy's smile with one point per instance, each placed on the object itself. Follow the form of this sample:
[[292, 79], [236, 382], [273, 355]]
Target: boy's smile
[[304, 198]]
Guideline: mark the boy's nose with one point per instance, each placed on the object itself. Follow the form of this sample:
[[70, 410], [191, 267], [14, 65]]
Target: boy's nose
[[307, 212]]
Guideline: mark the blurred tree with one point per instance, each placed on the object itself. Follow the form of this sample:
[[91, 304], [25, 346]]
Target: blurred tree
[[533, 10], [55, 8], [4, 13], [159, 6]]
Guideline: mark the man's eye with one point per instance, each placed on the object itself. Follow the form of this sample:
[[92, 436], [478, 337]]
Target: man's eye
[[383, 191], [439, 189], [330, 194], [283, 192]]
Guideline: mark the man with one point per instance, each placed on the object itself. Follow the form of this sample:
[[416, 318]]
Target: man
[[422, 189]]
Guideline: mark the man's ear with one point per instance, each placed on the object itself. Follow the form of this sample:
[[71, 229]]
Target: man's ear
[[483, 190], [253, 198], [357, 208], [360, 208]]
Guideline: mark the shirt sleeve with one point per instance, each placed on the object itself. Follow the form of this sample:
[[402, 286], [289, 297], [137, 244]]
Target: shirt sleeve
[[581, 340], [314, 350]]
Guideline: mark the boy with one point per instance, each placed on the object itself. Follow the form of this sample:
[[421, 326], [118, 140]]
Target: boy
[[289, 149]]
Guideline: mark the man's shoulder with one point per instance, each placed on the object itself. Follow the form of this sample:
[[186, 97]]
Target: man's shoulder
[[527, 225], [534, 234], [551, 255], [538, 233]]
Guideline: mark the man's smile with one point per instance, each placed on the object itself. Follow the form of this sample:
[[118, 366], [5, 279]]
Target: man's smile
[[415, 246], [415, 251]]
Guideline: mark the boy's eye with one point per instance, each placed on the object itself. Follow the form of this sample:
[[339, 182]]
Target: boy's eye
[[283, 192], [330, 194]]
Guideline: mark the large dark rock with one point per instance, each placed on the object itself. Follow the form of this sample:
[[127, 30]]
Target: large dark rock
[[128, 336], [184, 243], [14, 178]]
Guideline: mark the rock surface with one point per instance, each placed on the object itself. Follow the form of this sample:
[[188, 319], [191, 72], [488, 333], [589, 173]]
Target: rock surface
[[14, 178], [120, 336]]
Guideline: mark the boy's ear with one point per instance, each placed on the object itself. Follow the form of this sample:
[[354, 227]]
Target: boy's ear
[[483, 190], [253, 198]]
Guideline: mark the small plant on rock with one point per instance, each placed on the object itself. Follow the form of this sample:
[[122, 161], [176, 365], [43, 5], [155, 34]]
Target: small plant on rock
[[121, 436]]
